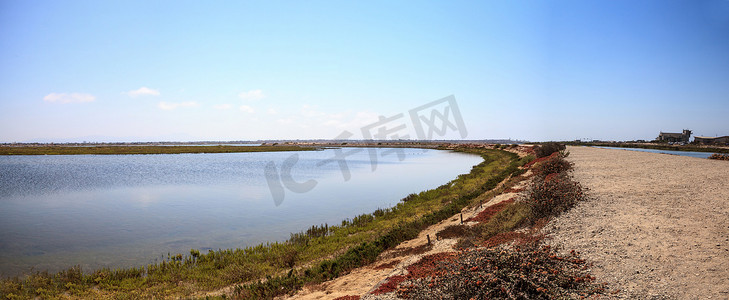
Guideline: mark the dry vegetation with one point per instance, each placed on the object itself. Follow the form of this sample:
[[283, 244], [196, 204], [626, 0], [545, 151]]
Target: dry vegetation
[[502, 256]]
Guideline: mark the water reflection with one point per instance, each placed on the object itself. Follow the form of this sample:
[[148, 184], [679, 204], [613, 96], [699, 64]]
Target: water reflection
[[129, 210], [680, 153]]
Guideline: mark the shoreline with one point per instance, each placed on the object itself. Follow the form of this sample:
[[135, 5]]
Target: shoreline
[[163, 148], [653, 226], [393, 263], [314, 243]]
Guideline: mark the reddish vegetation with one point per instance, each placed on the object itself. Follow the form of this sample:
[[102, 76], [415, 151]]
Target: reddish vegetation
[[347, 298], [525, 270], [528, 150], [387, 265], [519, 238], [538, 160], [452, 231], [501, 238], [719, 156], [490, 211], [539, 224], [428, 265], [389, 285], [522, 272], [551, 177]]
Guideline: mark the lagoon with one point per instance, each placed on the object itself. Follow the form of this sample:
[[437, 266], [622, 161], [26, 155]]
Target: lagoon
[[680, 153], [130, 210]]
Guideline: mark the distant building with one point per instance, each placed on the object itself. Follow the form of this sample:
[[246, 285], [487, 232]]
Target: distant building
[[708, 140], [675, 137]]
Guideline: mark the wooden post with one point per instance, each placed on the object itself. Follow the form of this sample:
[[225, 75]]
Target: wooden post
[[428, 236], [461, 218]]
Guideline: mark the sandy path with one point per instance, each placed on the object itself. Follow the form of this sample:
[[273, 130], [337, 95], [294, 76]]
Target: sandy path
[[656, 226]]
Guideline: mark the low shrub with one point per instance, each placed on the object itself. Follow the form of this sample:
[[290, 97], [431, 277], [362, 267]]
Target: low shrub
[[527, 272], [554, 164], [547, 149], [719, 156], [451, 232], [552, 195]]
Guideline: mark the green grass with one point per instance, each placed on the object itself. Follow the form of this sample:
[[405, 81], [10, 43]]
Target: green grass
[[511, 217], [320, 253], [109, 150]]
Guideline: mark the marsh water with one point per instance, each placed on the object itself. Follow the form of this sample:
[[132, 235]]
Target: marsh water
[[680, 153], [95, 211]]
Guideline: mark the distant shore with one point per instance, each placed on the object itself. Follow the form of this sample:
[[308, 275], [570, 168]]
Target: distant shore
[[207, 147], [144, 149]]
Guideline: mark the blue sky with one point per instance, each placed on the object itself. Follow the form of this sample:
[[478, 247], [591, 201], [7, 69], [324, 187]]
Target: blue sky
[[232, 70]]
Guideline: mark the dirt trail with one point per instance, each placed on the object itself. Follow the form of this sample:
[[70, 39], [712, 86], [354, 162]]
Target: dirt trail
[[656, 226]]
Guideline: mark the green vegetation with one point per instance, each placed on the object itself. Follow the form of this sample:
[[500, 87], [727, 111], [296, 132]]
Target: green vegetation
[[147, 149], [551, 192], [315, 255], [401, 223]]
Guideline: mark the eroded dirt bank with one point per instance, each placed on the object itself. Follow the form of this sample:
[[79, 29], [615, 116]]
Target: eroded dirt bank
[[655, 226]]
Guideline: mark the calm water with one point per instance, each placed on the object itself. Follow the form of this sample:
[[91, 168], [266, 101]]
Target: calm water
[[681, 153], [130, 210]]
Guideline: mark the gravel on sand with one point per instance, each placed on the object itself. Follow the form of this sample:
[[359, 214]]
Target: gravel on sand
[[656, 226]]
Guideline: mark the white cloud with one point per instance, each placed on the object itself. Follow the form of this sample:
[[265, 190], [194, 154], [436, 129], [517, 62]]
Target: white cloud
[[246, 108], [350, 121], [285, 121], [311, 112], [272, 111], [251, 95], [223, 106], [142, 91], [173, 105], [69, 98]]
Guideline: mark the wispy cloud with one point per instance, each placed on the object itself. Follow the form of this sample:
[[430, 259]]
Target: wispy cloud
[[350, 120], [251, 95], [248, 109], [69, 98], [272, 111], [173, 105], [285, 121], [142, 91], [311, 112], [223, 106]]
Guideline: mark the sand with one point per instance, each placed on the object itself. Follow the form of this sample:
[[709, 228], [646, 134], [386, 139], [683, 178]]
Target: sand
[[656, 226]]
